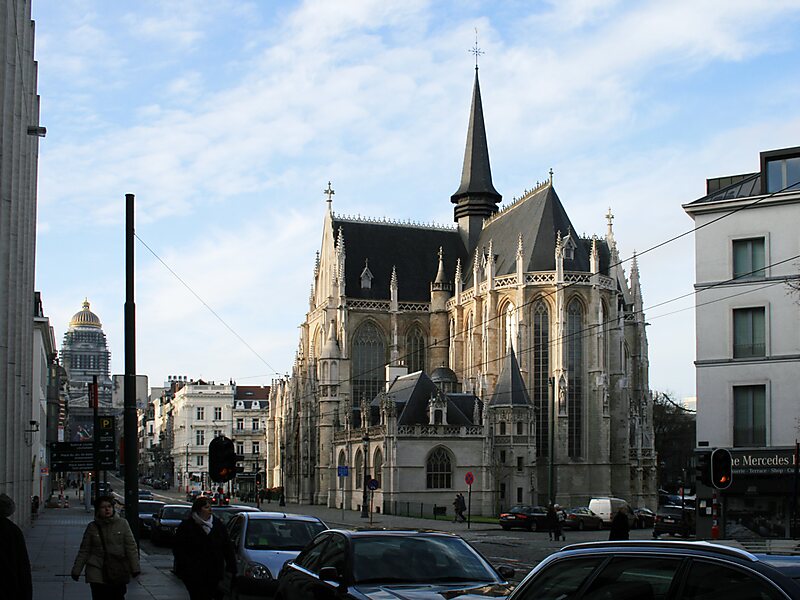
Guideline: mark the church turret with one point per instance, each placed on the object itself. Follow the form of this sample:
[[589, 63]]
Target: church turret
[[441, 290], [476, 198]]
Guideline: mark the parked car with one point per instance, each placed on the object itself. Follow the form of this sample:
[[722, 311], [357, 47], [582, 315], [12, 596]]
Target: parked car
[[643, 570], [192, 495], [370, 564], [645, 518], [263, 542], [524, 516], [674, 520], [226, 513], [104, 488], [166, 521], [145, 495], [147, 511], [606, 508], [582, 518]]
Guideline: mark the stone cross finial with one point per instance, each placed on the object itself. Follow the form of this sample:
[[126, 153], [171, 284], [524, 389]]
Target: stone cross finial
[[329, 193]]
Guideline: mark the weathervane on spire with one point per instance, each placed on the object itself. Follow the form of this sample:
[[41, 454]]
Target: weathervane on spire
[[476, 50], [329, 193]]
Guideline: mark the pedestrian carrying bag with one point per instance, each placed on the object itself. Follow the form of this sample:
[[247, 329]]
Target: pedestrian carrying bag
[[115, 568]]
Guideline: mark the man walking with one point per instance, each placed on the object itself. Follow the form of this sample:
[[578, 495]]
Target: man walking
[[15, 567]]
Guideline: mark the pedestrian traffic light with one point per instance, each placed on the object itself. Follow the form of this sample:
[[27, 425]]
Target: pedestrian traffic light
[[721, 468], [222, 459], [703, 466]]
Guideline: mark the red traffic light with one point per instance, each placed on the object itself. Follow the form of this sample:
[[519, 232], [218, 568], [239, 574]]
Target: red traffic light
[[721, 468]]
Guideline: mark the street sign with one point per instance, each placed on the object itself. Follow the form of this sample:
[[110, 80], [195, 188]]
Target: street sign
[[373, 485], [343, 471], [72, 456], [106, 437], [44, 471], [469, 478]]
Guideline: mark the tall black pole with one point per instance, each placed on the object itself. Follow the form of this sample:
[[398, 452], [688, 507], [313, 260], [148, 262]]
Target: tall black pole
[[364, 498], [793, 521], [551, 447], [129, 414]]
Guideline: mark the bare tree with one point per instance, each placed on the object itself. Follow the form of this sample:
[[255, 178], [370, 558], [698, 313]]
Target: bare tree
[[675, 430]]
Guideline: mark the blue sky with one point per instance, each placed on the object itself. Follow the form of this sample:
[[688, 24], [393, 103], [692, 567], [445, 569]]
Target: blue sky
[[228, 118]]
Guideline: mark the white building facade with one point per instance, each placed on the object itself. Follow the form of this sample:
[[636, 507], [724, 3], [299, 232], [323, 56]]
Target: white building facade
[[747, 252]]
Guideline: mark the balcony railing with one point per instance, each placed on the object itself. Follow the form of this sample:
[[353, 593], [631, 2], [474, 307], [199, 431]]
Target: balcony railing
[[749, 350]]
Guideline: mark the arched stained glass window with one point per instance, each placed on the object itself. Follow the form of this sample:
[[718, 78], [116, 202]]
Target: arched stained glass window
[[439, 469], [369, 359], [509, 328], [575, 378], [470, 345], [541, 375], [415, 350]]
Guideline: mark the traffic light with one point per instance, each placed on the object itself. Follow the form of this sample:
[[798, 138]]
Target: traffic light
[[721, 468], [703, 466], [222, 459]]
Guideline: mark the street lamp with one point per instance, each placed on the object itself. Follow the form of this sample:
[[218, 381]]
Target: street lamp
[[186, 478], [364, 498], [282, 501]]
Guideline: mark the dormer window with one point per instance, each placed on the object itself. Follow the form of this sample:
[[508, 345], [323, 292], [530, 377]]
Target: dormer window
[[569, 247], [780, 170], [366, 276]]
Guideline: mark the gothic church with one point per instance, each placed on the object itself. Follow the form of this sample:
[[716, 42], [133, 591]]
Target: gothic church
[[507, 347]]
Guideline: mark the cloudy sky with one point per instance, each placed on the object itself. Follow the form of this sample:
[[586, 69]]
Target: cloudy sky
[[227, 119]]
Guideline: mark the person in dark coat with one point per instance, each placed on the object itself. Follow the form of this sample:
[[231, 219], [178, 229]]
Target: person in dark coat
[[552, 522], [203, 551], [620, 527], [15, 567]]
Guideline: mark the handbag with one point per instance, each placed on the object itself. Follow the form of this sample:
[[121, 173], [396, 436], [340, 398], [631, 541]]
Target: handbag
[[115, 568]]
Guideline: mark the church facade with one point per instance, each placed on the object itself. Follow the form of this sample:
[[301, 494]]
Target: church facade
[[506, 346]]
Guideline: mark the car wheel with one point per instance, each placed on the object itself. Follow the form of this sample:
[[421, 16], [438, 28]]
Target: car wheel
[[580, 525], [532, 526]]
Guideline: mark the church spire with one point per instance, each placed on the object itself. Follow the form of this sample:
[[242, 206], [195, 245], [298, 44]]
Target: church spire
[[476, 197]]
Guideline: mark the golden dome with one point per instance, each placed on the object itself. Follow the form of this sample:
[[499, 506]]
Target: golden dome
[[85, 318]]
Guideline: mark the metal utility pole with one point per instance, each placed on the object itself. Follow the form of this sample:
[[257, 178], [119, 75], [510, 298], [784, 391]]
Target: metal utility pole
[[551, 439], [129, 412]]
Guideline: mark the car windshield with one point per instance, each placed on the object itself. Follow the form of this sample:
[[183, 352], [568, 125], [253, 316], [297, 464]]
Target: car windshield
[[280, 534], [175, 512], [149, 507], [418, 559], [520, 509]]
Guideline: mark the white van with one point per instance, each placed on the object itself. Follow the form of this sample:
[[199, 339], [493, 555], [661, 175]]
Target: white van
[[606, 508]]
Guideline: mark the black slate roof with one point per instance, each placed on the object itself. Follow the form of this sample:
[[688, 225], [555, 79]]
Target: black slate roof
[[412, 393], [539, 218], [414, 251], [510, 388]]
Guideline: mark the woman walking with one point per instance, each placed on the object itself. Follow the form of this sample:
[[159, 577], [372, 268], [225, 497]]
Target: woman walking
[[109, 553], [203, 551]]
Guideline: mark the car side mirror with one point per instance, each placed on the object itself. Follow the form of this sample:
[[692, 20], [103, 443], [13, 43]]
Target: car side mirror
[[505, 571], [330, 574]]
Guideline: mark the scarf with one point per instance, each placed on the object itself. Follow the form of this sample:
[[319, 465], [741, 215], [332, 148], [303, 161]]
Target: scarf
[[206, 525]]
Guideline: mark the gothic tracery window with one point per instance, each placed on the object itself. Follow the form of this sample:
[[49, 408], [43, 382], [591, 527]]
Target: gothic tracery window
[[439, 469], [415, 350], [575, 378], [541, 375], [369, 358]]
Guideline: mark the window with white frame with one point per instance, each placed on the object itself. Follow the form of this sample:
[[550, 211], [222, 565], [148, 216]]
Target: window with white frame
[[239, 447], [256, 447], [748, 258], [254, 424], [218, 413], [750, 415], [217, 433], [200, 413], [200, 437], [199, 460], [239, 423], [749, 338]]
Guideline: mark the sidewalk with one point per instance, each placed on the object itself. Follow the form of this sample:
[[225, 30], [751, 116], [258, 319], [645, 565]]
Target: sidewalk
[[351, 519], [53, 542]]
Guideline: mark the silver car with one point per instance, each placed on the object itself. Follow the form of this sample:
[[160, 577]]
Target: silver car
[[166, 521], [263, 542]]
